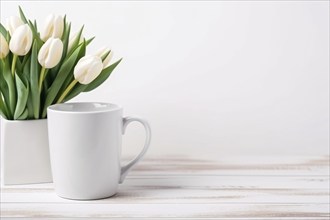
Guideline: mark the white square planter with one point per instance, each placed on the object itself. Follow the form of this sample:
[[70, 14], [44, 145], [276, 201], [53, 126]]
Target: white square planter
[[24, 152]]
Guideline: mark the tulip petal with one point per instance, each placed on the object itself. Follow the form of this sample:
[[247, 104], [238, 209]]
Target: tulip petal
[[102, 51], [13, 23], [28, 42], [58, 27], [46, 31], [50, 53], [4, 49], [104, 75], [53, 27], [94, 70], [21, 41], [54, 53], [87, 69], [58, 50], [81, 68], [43, 52]]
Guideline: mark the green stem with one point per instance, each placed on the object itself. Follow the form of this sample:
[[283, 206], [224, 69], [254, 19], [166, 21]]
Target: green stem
[[10, 80], [66, 91], [13, 65], [41, 77]]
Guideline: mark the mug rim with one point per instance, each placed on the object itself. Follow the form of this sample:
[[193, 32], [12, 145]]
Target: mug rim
[[106, 107]]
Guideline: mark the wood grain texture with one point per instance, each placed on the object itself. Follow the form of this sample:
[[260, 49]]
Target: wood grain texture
[[179, 187]]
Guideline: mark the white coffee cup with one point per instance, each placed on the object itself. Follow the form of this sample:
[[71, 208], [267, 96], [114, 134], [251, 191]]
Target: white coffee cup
[[85, 148]]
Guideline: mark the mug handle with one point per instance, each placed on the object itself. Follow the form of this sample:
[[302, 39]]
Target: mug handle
[[125, 169]]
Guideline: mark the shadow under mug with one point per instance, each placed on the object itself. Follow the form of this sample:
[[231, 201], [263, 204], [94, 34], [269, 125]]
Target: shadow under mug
[[85, 148]]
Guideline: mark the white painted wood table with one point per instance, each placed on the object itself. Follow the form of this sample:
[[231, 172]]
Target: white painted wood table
[[176, 187]]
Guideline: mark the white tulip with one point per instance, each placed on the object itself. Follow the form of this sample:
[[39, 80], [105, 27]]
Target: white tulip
[[87, 69], [101, 52], [50, 53], [73, 38], [12, 23], [4, 49], [53, 27], [21, 40]]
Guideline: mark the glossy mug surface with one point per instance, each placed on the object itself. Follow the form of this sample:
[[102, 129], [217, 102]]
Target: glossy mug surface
[[85, 148]]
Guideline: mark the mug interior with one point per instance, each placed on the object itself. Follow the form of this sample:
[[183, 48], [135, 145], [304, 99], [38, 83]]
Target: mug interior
[[84, 107]]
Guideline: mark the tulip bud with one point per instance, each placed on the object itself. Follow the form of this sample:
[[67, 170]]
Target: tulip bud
[[53, 27], [73, 38], [87, 69], [4, 50], [103, 51], [21, 40], [13, 23], [50, 53]]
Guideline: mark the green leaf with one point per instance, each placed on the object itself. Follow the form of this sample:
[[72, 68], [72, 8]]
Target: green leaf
[[3, 30], [24, 115], [74, 47], [65, 70], [82, 51], [34, 75], [29, 105], [19, 66], [35, 26], [3, 86], [22, 15], [11, 86], [22, 96], [48, 81], [26, 59], [26, 66], [66, 83], [3, 108], [102, 77], [65, 39], [76, 41], [65, 24], [36, 35], [88, 41], [70, 77], [4, 89], [75, 91], [8, 40], [26, 80]]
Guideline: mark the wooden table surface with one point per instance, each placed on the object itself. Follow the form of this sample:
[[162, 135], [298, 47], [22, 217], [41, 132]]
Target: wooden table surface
[[177, 187]]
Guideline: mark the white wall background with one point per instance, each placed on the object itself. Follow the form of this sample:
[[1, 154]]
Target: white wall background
[[233, 78]]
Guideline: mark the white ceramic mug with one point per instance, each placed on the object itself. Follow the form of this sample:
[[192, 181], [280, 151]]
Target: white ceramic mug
[[85, 148]]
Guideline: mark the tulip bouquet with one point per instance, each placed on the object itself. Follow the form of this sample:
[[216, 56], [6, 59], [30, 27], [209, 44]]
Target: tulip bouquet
[[39, 69]]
